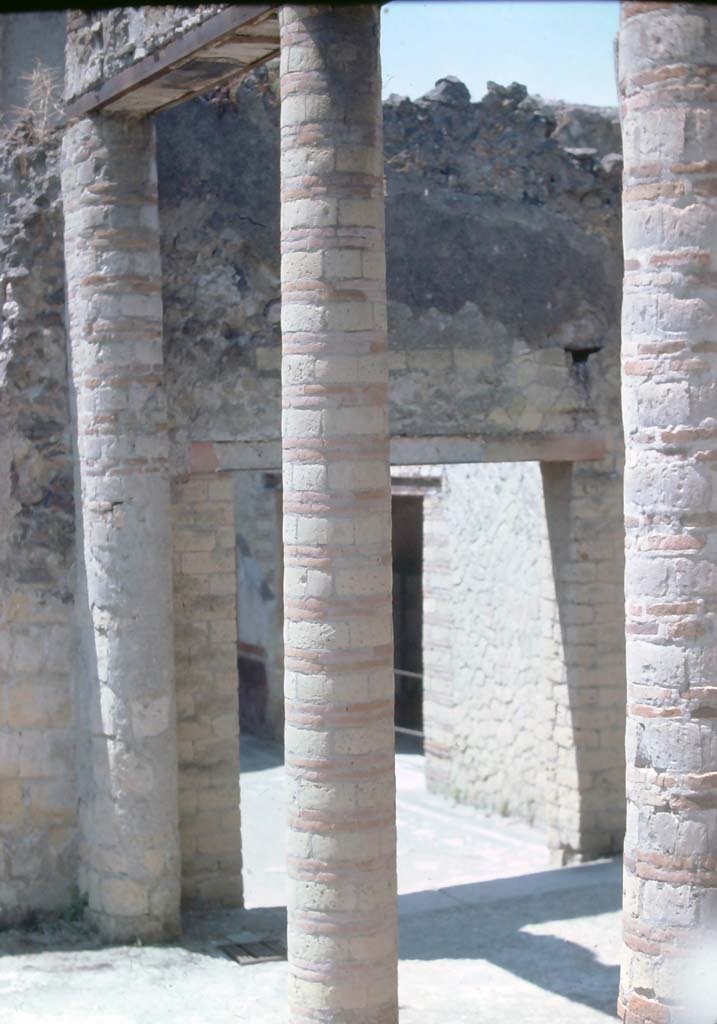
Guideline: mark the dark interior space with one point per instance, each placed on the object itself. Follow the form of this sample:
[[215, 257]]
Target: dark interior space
[[407, 512]]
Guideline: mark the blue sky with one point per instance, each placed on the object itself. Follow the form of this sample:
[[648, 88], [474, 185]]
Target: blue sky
[[561, 50]]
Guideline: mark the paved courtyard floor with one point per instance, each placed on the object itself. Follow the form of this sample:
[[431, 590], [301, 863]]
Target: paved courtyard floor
[[488, 932]]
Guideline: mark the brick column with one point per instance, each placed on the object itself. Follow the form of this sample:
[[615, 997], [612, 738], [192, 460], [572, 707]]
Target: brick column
[[205, 618], [668, 83], [129, 844], [337, 502], [583, 724]]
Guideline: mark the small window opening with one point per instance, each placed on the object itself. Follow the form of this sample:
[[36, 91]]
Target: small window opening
[[580, 355]]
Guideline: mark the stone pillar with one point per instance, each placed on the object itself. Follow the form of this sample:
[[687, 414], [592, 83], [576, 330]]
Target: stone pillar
[[207, 682], [130, 847], [583, 723], [668, 84], [337, 503], [440, 703]]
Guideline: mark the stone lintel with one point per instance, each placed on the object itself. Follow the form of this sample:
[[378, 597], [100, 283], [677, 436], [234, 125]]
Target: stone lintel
[[231, 456]]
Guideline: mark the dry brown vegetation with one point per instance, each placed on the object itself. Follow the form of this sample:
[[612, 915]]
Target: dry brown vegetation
[[36, 121]]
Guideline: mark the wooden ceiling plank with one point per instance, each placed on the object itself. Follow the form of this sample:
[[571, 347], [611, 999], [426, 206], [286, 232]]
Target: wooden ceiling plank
[[235, 75], [238, 51], [222, 26]]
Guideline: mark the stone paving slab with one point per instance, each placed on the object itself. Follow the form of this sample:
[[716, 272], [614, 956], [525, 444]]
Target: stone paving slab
[[488, 932]]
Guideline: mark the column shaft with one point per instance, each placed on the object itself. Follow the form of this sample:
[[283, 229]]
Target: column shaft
[[130, 842], [668, 83], [337, 584]]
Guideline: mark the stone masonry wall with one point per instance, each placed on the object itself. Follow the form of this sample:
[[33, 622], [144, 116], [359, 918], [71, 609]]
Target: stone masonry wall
[[537, 669], [509, 329], [205, 595], [37, 794], [101, 43], [585, 658], [496, 530], [489, 328]]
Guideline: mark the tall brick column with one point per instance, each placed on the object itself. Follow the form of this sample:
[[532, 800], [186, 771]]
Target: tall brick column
[[668, 82], [583, 722], [337, 584], [129, 845]]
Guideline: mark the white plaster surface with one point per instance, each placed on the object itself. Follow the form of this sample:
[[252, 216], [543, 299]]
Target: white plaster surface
[[487, 933]]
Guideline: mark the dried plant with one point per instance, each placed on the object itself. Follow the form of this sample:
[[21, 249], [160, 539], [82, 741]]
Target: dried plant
[[36, 121]]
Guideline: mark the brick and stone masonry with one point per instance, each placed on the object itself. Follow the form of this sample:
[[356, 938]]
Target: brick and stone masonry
[[207, 681], [337, 581], [583, 658], [129, 846], [668, 85]]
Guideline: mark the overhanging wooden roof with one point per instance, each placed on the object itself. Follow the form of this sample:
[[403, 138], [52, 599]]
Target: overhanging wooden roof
[[212, 54]]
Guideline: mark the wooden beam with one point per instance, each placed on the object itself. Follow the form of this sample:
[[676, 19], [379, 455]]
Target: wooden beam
[[233, 456], [215, 52]]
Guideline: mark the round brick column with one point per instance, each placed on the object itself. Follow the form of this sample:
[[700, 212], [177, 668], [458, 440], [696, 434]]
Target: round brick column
[[129, 842], [668, 83], [337, 583]]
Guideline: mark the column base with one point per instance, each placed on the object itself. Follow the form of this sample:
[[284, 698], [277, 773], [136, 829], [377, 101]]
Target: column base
[[129, 930]]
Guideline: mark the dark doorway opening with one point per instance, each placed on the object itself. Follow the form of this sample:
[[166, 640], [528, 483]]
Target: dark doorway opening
[[407, 512]]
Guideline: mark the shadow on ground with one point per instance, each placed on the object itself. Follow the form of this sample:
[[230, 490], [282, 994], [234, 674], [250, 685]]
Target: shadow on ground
[[512, 923], [256, 755], [505, 922]]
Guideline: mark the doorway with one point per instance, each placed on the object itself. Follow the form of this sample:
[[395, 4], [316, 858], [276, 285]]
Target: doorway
[[407, 547]]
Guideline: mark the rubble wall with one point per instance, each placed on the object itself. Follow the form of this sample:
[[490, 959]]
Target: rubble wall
[[504, 265], [102, 43], [37, 789]]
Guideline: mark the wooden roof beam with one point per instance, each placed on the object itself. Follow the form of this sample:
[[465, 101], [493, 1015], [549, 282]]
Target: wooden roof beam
[[214, 53]]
